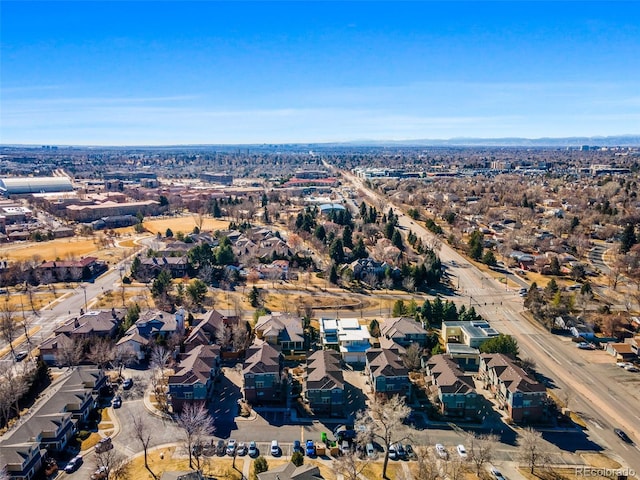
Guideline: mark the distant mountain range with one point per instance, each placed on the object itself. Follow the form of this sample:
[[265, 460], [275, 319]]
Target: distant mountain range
[[613, 141], [560, 142]]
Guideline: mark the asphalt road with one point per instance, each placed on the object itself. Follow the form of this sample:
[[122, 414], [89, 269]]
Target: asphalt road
[[594, 393]]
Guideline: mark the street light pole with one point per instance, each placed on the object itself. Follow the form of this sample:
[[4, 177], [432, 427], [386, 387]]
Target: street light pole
[[84, 289]]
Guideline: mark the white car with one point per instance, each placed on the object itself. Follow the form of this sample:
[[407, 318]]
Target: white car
[[231, 447], [624, 364], [441, 451], [462, 451]]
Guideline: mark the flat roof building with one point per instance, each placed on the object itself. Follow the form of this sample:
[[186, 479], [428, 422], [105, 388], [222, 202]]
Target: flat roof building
[[24, 185]]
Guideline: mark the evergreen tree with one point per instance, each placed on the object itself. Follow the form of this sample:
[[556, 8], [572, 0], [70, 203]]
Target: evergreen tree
[[333, 274], [360, 251], [628, 239], [320, 233], [489, 258], [501, 344], [347, 237], [336, 251], [399, 309], [476, 244], [396, 240]]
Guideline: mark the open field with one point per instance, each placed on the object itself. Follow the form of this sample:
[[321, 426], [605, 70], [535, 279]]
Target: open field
[[184, 224], [63, 249]]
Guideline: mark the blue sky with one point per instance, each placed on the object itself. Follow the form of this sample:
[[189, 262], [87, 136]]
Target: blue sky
[[158, 73]]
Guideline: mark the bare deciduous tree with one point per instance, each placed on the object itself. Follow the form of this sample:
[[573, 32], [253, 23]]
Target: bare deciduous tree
[[114, 463], [159, 360], [101, 352], [456, 468], [350, 466], [196, 423], [70, 353], [383, 420], [480, 449], [413, 356], [8, 326], [142, 433], [532, 450], [427, 466]]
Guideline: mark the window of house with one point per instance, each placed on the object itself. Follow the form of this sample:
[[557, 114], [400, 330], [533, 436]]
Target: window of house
[[326, 400], [259, 384], [188, 395]]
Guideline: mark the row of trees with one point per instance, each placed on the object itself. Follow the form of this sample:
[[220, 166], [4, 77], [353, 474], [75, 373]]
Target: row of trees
[[383, 421]]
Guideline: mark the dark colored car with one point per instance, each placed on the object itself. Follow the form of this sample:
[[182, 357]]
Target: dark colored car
[[73, 464], [127, 384], [21, 356], [310, 448], [117, 401], [297, 447], [623, 436], [221, 448]]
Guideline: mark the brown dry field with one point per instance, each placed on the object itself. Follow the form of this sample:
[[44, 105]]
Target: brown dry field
[[64, 249], [184, 224]]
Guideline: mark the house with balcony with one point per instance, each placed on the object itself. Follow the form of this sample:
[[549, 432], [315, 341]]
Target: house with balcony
[[281, 330], [152, 325], [324, 383], [262, 373], [52, 425], [472, 334], [404, 331], [388, 375], [515, 390], [209, 329], [347, 336], [454, 389], [194, 376], [22, 461], [102, 323]]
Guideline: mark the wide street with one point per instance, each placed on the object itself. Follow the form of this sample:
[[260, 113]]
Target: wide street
[[605, 397]]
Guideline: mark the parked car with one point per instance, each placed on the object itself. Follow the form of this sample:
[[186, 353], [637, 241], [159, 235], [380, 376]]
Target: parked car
[[242, 449], [310, 448], [117, 401], [496, 474], [231, 447], [631, 368], [73, 464], [221, 448], [441, 451], [275, 448], [623, 436], [297, 447], [371, 452], [253, 449], [103, 445], [127, 384], [99, 474], [402, 453], [585, 346], [393, 453], [624, 364], [462, 452], [410, 453], [21, 355]]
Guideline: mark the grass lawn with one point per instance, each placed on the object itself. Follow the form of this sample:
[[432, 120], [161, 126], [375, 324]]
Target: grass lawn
[[183, 224], [599, 460]]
